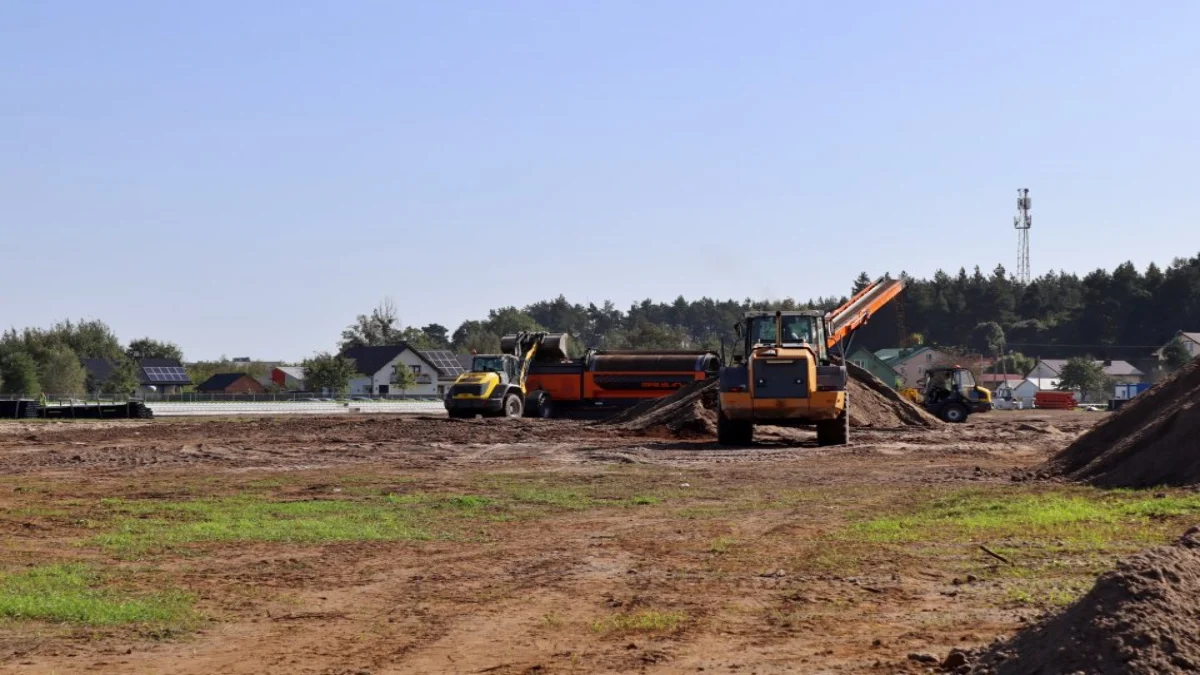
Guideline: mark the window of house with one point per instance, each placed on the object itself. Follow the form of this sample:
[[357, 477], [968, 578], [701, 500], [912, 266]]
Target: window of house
[[415, 369], [929, 357]]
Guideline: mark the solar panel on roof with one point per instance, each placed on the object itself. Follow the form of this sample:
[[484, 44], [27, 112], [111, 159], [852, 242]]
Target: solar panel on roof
[[444, 361]]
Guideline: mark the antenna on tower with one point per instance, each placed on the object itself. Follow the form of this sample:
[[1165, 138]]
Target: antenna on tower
[[1022, 222]]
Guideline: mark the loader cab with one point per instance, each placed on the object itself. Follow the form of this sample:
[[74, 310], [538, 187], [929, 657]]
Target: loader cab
[[950, 392], [505, 365], [785, 330]]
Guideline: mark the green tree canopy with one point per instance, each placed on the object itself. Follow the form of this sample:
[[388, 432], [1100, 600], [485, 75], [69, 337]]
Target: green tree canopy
[[19, 374], [1085, 375], [148, 348], [329, 372], [403, 378], [1175, 355], [62, 373], [380, 327]]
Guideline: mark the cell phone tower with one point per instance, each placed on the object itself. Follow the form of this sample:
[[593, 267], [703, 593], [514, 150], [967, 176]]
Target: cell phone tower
[[1022, 222]]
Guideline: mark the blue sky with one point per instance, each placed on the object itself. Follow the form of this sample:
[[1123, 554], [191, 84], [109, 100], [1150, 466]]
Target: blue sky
[[243, 178]]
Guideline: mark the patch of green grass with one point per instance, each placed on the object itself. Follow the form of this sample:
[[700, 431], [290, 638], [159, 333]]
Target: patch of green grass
[[645, 501], [148, 526], [647, 621], [1074, 517], [72, 593]]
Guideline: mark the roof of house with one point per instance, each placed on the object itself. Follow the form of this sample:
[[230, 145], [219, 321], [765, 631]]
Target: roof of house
[[1042, 383], [150, 371], [893, 357], [1194, 337], [98, 369], [296, 372], [1113, 369], [220, 381], [465, 360], [444, 361], [999, 377], [866, 354], [163, 372], [370, 360]]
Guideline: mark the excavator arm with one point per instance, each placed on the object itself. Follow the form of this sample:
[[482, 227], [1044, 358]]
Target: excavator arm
[[859, 309]]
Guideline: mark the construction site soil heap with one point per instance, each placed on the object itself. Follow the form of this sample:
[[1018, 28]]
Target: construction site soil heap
[[691, 411], [1152, 440], [1141, 618]]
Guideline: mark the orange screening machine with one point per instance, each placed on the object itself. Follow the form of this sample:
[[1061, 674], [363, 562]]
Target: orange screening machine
[[603, 382]]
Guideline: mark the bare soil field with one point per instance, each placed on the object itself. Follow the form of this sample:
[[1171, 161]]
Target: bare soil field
[[426, 545]]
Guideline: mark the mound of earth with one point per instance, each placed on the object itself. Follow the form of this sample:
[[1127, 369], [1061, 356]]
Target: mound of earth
[[691, 411], [1150, 441], [875, 404], [1141, 618]]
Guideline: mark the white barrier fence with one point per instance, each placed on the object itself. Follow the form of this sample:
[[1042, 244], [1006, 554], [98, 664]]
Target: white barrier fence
[[238, 409]]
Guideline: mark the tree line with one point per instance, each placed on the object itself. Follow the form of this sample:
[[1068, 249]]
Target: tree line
[[1124, 313], [50, 360]]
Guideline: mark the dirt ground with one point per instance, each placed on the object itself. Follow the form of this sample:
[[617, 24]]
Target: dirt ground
[[576, 548]]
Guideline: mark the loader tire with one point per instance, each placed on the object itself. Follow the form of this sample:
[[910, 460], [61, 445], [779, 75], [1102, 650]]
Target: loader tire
[[734, 432], [835, 432], [954, 413], [514, 406]]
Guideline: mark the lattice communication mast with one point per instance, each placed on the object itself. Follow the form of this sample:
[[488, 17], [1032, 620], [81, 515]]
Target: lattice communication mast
[[1022, 222]]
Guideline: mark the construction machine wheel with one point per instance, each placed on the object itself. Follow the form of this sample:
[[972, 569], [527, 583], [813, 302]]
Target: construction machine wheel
[[734, 432], [545, 409], [835, 432], [514, 406], [954, 413]]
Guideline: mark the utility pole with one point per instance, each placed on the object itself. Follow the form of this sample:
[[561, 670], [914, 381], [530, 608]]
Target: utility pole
[[1022, 222]]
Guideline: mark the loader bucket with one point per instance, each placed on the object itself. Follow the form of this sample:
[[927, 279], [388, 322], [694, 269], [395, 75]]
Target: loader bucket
[[553, 347]]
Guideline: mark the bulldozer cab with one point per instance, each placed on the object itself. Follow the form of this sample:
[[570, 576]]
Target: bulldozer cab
[[785, 329]]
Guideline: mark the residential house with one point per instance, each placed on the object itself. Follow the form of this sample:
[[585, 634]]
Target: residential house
[[1191, 342], [912, 363], [1121, 372], [865, 359], [1028, 389], [290, 378], [155, 376], [435, 370], [231, 383], [1004, 389], [997, 381]]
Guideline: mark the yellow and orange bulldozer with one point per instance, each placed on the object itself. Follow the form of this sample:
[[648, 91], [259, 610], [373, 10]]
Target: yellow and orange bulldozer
[[785, 375]]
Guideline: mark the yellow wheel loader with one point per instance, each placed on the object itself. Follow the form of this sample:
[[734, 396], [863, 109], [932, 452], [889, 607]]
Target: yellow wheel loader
[[496, 384], [785, 376]]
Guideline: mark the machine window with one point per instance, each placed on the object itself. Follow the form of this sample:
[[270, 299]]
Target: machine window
[[798, 329], [487, 364]]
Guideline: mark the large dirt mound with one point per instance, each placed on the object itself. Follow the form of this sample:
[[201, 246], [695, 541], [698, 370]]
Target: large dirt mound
[[691, 410], [1141, 618], [875, 404], [1152, 440]]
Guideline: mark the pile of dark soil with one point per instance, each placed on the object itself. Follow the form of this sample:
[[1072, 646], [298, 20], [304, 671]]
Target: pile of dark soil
[[1141, 618], [691, 411], [1152, 440]]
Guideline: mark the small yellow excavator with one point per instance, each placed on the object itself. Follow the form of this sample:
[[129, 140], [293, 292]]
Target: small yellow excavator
[[496, 384]]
